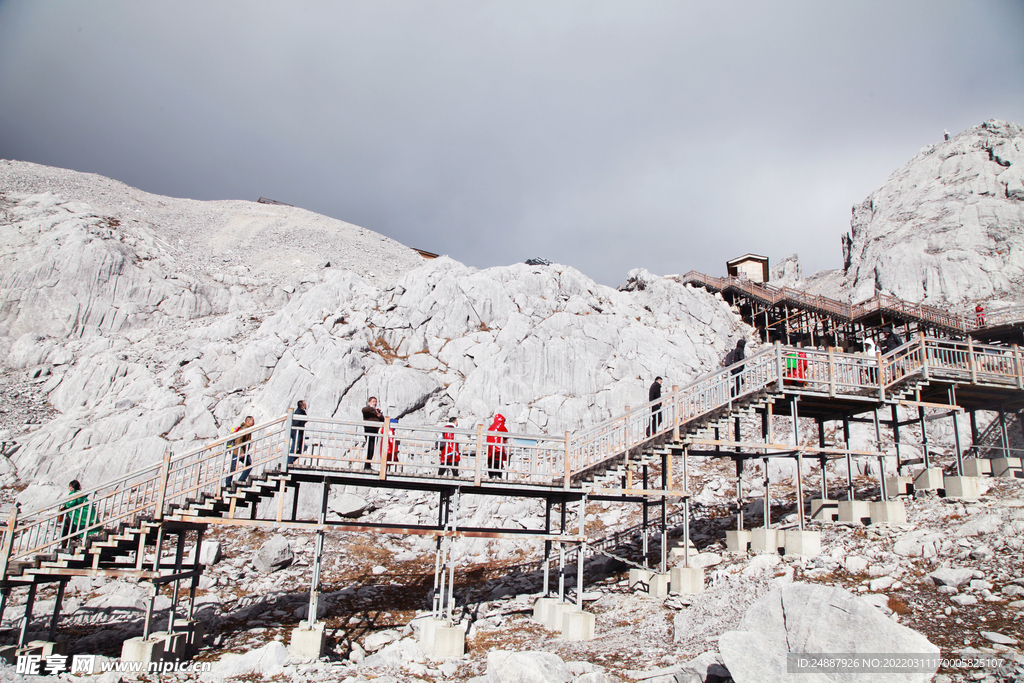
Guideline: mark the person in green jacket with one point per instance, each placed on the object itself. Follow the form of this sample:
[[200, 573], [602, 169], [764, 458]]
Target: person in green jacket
[[80, 515]]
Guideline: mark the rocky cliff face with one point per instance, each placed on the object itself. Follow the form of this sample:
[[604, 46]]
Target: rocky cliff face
[[154, 322], [948, 227]]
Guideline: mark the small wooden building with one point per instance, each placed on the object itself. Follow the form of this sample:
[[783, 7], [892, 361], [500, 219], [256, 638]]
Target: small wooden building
[[749, 266]]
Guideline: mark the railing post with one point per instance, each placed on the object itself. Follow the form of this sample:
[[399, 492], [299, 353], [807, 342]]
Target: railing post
[[676, 409], [881, 377], [831, 373], [924, 357], [1016, 367], [12, 523], [779, 375], [568, 467], [479, 453], [970, 360], [287, 440], [161, 494], [384, 448]]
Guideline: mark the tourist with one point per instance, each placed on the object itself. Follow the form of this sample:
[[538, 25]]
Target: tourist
[[497, 456], [79, 516], [371, 414], [392, 443], [297, 433], [653, 394], [979, 313], [239, 448], [448, 448], [737, 355]]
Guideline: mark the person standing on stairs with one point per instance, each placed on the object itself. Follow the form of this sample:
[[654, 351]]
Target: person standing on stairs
[[371, 414], [298, 429], [497, 456], [653, 394], [79, 517], [735, 356], [239, 448]]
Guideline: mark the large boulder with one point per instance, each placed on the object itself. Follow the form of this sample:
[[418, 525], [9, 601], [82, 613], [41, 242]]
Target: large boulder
[[810, 618], [526, 667], [274, 554]]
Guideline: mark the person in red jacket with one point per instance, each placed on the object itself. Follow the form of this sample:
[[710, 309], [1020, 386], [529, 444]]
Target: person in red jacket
[[497, 456], [449, 449], [393, 443]]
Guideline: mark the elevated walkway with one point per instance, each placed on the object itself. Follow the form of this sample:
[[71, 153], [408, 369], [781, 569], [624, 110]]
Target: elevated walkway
[[253, 478], [792, 315]]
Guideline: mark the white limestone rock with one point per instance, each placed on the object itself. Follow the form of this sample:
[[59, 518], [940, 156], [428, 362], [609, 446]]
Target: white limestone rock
[[274, 554], [526, 667], [266, 661], [947, 226]]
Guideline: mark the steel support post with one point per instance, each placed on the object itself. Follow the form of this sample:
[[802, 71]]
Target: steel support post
[[547, 547], [56, 610], [664, 514], [975, 437], [25, 620], [924, 437], [822, 460], [179, 556], [195, 576], [318, 554], [644, 521], [581, 553], [851, 494], [451, 556], [739, 494], [686, 506], [765, 429], [956, 444], [881, 459], [1003, 435], [799, 463], [5, 594], [896, 437], [156, 586]]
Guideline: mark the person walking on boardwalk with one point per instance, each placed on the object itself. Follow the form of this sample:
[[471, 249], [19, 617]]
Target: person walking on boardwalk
[[979, 313], [497, 455], [448, 447], [79, 516], [892, 341], [371, 414], [737, 355], [298, 428], [239, 448], [653, 394]]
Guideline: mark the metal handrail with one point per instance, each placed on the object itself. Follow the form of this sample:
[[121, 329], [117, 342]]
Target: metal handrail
[[338, 445]]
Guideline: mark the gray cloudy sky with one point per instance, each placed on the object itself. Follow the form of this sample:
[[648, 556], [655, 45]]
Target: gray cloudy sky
[[602, 135]]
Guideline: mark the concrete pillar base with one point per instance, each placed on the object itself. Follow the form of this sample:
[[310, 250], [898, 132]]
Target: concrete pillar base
[[308, 643], [578, 625], [737, 541], [47, 648], [145, 651], [898, 486], [766, 540], [428, 629], [1007, 467], [854, 511], [449, 643], [557, 614], [174, 644], [888, 512], [803, 543], [928, 480], [977, 467], [541, 609], [967, 488], [824, 509], [639, 579], [194, 638], [686, 580], [659, 586]]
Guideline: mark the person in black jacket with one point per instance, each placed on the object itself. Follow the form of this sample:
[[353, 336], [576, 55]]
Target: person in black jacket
[[298, 428], [371, 414], [892, 341], [653, 394], [735, 356]]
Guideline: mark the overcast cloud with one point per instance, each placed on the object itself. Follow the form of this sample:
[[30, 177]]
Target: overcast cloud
[[602, 135]]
